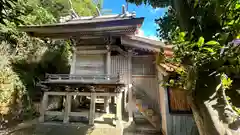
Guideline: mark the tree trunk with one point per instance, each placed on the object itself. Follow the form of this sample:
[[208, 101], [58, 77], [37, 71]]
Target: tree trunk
[[183, 11], [208, 108]]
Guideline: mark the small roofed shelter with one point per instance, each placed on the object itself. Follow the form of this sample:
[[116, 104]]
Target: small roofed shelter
[[109, 61]]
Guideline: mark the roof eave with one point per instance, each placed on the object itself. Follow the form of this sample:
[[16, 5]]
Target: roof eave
[[142, 43]]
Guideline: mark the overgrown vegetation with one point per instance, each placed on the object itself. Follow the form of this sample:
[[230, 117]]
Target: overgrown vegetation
[[206, 39], [25, 60]]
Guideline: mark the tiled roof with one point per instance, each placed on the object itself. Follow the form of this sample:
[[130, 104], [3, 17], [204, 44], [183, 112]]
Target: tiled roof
[[166, 66], [142, 43]]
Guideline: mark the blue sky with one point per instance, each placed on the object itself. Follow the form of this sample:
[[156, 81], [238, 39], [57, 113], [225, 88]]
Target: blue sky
[[149, 27]]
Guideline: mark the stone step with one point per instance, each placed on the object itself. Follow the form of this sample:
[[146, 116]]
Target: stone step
[[141, 129]]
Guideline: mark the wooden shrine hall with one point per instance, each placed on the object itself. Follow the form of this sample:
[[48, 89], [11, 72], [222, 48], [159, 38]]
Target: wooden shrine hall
[[106, 64]]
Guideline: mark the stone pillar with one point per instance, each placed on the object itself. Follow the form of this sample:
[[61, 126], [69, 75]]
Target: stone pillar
[[119, 111], [67, 108], [92, 109], [44, 105]]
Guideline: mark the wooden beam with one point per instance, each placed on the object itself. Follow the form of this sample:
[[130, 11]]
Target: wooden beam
[[108, 94], [69, 93], [163, 103], [54, 113], [130, 100], [121, 51], [91, 52], [44, 105], [84, 114]]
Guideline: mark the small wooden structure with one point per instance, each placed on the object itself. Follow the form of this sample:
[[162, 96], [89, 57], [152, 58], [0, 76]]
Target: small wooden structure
[[109, 60], [176, 115], [76, 81]]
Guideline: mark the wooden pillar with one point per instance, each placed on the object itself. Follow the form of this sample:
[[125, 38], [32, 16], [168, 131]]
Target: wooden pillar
[[44, 105], [108, 70], [106, 104], [67, 108], [119, 111], [130, 100], [73, 63], [92, 109], [163, 104]]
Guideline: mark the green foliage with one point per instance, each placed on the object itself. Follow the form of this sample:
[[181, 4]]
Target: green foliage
[[154, 3], [168, 24], [209, 43], [60, 8], [24, 60], [10, 10], [9, 80], [226, 82]]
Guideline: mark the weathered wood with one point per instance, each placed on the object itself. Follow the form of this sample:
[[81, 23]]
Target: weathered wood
[[108, 94], [92, 109], [69, 93], [67, 109], [55, 113], [163, 104], [181, 125], [84, 114], [73, 64], [130, 101], [43, 107], [119, 111], [92, 52], [108, 69], [106, 104], [113, 77]]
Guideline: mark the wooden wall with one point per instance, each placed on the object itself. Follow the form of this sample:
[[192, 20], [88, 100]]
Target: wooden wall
[[148, 84], [181, 125], [174, 124], [89, 64], [119, 65], [178, 102]]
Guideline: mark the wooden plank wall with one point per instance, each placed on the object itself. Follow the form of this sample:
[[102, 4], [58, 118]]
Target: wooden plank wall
[[181, 125], [149, 85], [119, 64], [90, 64], [178, 100]]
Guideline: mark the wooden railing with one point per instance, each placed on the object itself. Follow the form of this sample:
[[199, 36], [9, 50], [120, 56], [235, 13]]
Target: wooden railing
[[112, 78]]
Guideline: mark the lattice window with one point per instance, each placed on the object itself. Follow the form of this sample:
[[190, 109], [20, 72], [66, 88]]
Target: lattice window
[[143, 65]]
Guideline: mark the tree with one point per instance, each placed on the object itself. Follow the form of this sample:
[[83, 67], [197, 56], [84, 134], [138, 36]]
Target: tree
[[206, 38], [62, 7], [25, 60]]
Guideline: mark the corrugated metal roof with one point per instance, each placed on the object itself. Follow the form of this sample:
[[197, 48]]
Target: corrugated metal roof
[[102, 26], [103, 17]]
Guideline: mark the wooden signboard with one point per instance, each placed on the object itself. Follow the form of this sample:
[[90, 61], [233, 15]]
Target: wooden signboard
[[177, 100]]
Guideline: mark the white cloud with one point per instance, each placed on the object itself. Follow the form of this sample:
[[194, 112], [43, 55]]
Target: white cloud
[[140, 33]]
